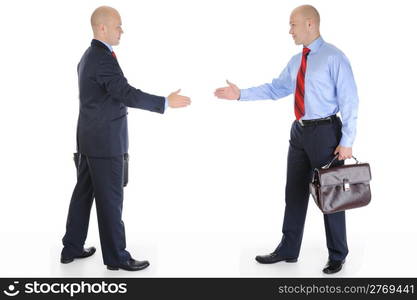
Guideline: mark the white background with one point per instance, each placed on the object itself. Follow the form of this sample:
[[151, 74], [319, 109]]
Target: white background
[[206, 190]]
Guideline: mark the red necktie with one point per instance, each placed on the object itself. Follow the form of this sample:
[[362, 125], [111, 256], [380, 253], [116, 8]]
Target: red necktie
[[113, 54], [299, 90]]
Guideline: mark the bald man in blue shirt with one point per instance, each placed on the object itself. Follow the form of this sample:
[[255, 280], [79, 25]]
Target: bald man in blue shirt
[[321, 79]]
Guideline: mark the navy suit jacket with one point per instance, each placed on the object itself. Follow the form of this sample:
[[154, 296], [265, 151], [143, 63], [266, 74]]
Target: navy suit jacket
[[104, 97]]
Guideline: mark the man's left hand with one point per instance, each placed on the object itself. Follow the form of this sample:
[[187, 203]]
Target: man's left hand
[[344, 152]]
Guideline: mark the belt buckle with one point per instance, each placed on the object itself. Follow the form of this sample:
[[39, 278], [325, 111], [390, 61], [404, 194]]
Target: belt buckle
[[300, 121]]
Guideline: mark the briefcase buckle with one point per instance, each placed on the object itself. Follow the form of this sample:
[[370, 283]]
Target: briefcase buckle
[[346, 185]]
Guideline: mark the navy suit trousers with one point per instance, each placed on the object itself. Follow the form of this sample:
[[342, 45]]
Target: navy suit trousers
[[100, 179], [310, 147]]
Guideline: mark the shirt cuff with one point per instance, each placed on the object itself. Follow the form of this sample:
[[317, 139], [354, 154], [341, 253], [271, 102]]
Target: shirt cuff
[[243, 95], [166, 103], [346, 141]]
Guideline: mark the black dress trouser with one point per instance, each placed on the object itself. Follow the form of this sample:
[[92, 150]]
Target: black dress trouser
[[310, 147], [100, 179]]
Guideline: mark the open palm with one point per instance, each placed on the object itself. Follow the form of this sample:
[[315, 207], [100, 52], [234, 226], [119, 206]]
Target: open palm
[[231, 92]]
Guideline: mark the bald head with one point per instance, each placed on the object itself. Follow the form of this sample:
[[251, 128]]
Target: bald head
[[102, 15], [305, 24], [308, 12], [106, 24]]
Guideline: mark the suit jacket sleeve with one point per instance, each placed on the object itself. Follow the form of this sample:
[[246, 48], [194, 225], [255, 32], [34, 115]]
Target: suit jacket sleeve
[[110, 76]]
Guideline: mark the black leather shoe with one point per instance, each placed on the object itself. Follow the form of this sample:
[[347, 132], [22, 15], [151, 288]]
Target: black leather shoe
[[131, 265], [333, 266], [86, 253], [273, 258]]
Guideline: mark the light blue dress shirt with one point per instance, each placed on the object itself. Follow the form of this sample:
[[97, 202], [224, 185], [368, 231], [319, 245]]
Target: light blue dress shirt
[[329, 87], [111, 50]]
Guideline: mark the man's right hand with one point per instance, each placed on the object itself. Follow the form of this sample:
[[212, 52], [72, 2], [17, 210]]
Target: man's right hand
[[231, 92], [175, 100]]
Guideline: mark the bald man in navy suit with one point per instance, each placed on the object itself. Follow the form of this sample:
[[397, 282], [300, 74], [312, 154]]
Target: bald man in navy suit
[[102, 142]]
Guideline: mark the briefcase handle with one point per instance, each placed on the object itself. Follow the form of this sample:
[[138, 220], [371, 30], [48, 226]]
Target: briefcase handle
[[334, 158]]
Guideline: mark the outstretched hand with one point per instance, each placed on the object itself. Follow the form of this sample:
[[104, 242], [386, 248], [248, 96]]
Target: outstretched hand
[[175, 100], [231, 92]]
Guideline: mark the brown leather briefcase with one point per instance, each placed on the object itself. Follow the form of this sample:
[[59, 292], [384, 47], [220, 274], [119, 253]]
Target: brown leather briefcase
[[339, 188]]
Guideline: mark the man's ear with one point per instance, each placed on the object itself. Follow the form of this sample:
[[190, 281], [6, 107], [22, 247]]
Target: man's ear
[[309, 24], [102, 28]]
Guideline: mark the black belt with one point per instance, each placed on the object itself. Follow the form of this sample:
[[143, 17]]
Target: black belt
[[321, 121]]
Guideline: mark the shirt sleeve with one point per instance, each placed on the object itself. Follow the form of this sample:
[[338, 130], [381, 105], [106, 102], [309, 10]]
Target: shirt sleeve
[[347, 99], [279, 87]]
